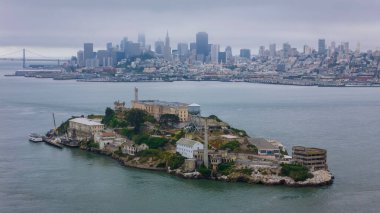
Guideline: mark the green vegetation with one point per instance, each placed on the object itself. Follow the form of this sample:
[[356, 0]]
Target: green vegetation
[[175, 161], [92, 144], [92, 116], [232, 145], [214, 117], [136, 118], [152, 142], [149, 153], [252, 148], [110, 119], [226, 168], [62, 129], [246, 171], [239, 131], [169, 119], [204, 171], [296, 171]]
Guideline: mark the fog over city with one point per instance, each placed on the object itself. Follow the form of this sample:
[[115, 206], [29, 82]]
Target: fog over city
[[61, 27]]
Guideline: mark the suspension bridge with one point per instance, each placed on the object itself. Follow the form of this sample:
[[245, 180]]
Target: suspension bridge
[[33, 57]]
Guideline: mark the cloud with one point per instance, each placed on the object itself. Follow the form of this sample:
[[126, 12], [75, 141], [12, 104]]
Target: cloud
[[239, 23]]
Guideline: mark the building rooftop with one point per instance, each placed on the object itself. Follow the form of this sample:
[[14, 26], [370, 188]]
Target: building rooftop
[[186, 142], [261, 143], [163, 103], [85, 121], [310, 150]]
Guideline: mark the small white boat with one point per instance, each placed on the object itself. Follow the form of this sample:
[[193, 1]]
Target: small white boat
[[35, 138]]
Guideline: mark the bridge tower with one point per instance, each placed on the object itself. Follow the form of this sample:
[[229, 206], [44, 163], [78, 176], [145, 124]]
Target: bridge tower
[[23, 58]]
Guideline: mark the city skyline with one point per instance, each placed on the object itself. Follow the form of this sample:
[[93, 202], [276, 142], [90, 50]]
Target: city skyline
[[246, 24]]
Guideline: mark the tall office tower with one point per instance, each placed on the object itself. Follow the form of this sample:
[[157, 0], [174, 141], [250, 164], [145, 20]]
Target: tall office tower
[[214, 53], [321, 46], [286, 49], [141, 40], [346, 47], [357, 50], [102, 56], [167, 49], [261, 51], [132, 49], [123, 43], [183, 51], [80, 58], [222, 57], [333, 46], [229, 56], [245, 53], [159, 47], [306, 50], [202, 44], [109, 46], [193, 46], [272, 50], [88, 52]]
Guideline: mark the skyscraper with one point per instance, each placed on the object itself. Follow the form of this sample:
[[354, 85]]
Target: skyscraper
[[109, 46], [88, 51], [159, 47], [141, 40], [272, 50], [123, 43], [167, 49], [286, 49], [80, 58], [321, 46], [229, 56], [202, 44], [214, 54], [245, 53]]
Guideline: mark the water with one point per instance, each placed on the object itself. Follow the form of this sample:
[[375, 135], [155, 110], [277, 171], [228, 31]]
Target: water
[[40, 178]]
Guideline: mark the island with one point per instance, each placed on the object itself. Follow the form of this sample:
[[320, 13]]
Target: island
[[175, 138]]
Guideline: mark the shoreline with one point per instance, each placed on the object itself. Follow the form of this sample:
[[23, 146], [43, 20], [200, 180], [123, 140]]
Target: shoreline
[[268, 180]]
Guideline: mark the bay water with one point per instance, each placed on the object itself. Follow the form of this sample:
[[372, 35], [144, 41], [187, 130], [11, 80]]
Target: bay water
[[41, 178]]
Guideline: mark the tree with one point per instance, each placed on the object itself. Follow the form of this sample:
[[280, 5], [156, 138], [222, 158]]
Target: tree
[[109, 115], [136, 118], [175, 161], [169, 119]]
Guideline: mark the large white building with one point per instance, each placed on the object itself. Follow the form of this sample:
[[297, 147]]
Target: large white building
[[186, 147], [84, 128]]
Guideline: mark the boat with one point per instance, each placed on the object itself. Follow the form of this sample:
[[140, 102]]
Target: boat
[[33, 137]]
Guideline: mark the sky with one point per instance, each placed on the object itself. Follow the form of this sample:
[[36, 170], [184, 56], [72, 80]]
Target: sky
[[59, 28]]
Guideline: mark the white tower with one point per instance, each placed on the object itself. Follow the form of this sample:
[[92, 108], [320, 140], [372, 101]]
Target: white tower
[[136, 94]]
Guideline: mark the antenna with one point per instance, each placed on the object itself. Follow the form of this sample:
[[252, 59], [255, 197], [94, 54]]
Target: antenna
[[55, 126]]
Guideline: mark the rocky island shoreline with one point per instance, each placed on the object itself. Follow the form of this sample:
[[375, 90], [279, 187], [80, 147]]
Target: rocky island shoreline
[[173, 137]]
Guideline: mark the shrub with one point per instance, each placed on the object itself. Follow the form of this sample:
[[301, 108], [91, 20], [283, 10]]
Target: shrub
[[175, 161], [232, 145], [204, 171], [225, 168], [149, 153], [296, 171]]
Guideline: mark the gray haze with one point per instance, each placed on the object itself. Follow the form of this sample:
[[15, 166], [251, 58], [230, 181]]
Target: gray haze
[[66, 24]]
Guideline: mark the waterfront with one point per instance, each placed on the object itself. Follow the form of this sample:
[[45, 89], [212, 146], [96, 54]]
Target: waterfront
[[40, 178]]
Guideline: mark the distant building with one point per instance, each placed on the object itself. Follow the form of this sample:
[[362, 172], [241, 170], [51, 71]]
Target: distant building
[[130, 148], [141, 40], [132, 49], [157, 108], [202, 44], [183, 51], [84, 128], [80, 58], [88, 51], [321, 46], [167, 48], [245, 53], [313, 158], [222, 57], [214, 54], [264, 147], [186, 147], [272, 50], [159, 47], [286, 50], [229, 56]]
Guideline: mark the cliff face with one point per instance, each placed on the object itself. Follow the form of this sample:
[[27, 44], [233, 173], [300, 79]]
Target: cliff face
[[320, 177]]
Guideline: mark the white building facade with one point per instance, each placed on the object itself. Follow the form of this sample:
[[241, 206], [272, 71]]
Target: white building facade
[[186, 147]]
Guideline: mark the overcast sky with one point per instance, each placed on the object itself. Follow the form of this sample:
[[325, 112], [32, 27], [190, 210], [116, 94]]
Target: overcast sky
[[60, 27]]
